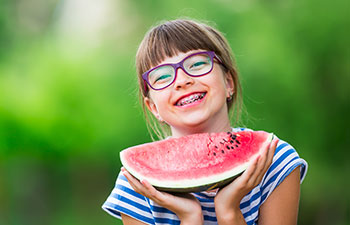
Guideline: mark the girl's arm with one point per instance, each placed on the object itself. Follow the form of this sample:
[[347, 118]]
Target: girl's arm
[[281, 207], [127, 220]]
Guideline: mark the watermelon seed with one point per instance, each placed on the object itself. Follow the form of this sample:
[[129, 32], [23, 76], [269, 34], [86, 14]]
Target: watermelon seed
[[238, 142], [236, 145], [234, 136], [232, 147], [228, 147], [223, 152], [214, 154], [216, 146], [231, 141]]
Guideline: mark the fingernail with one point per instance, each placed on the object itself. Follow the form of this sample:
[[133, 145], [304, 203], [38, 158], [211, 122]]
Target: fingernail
[[144, 182], [258, 158]]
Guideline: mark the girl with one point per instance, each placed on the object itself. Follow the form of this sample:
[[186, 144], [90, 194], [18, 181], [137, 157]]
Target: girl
[[189, 83]]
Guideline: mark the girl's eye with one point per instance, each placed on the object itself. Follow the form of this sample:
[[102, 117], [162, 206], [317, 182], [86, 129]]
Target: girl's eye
[[197, 64], [162, 78]]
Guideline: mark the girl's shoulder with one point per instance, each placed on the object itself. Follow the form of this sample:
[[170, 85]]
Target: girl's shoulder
[[238, 129]]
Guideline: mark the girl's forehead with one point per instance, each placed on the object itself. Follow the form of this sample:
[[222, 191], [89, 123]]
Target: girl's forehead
[[178, 56]]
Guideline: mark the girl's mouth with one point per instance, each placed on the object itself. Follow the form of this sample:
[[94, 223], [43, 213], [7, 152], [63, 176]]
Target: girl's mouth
[[195, 97]]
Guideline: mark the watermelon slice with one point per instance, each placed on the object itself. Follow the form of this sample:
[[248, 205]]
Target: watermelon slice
[[196, 162]]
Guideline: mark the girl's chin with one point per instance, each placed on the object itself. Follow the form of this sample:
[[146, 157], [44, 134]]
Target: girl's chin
[[192, 122]]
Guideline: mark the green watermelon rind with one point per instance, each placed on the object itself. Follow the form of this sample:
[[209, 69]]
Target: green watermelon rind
[[205, 187], [200, 184]]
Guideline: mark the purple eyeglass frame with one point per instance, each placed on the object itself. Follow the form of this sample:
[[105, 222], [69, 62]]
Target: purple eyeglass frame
[[178, 65]]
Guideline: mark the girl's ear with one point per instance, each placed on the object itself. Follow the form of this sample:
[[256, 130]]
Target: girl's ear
[[152, 107], [230, 86]]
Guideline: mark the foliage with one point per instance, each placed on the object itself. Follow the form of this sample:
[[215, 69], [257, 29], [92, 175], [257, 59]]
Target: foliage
[[68, 98]]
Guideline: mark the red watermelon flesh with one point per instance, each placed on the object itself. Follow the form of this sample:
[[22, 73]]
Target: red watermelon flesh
[[195, 162]]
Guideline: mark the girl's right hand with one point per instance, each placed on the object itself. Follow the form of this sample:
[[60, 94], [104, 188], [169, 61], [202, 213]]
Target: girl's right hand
[[227, 200], [185, 206]]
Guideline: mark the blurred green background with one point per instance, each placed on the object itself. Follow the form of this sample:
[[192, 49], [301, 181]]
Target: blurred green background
[[68, 100]]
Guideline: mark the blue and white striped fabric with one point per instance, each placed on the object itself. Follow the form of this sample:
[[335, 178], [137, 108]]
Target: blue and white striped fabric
[[124, 199]]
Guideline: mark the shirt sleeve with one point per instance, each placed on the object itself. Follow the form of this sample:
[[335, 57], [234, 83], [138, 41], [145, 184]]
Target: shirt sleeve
[[285, 160], [124, 199]]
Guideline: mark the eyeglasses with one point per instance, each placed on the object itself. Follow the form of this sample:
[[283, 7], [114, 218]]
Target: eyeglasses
[[194, 65]]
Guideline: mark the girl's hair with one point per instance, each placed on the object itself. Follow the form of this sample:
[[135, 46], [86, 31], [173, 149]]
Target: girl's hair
[[183, 35]]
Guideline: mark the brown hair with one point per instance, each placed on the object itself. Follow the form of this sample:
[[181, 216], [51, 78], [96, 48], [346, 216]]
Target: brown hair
[[183, 35]]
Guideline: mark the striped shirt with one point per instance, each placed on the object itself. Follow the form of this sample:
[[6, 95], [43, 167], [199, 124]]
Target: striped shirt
[[124, 199]]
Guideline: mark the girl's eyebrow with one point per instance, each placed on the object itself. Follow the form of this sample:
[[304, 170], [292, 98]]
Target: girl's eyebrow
[[187, 54]]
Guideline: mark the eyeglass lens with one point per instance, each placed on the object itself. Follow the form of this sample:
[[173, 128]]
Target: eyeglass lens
[[195, 65]]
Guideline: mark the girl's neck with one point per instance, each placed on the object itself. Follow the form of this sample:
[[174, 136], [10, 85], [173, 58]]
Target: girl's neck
[[220, 126]]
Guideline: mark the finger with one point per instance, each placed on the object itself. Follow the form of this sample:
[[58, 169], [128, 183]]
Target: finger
[[144, 188], [262, 165], [154, 193], [257, 169], [262, 160], [135, 183], [250, 170], [271, 153], [162, 198], [131, 179], [263, 156], [259, 172], [274, 145], [267, 155], [269, 159], [128, 176], [241, 183]]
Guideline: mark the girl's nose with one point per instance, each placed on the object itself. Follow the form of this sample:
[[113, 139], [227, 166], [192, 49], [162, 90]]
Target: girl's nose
[[182, 79]]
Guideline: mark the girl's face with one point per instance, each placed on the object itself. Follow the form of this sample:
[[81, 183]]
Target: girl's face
[[193, 104]]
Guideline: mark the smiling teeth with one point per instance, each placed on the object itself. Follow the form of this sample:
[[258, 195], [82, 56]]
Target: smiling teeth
[[190, 99]]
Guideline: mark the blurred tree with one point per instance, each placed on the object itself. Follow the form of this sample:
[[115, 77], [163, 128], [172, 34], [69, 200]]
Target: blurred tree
[[68, 98]]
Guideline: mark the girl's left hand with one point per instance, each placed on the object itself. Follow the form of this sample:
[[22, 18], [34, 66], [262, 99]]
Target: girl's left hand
[[185, 206], [228, 199]]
